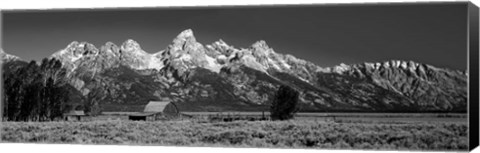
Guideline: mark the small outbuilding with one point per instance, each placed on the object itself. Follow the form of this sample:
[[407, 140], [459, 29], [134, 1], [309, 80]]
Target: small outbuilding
[[156, 110], [74, 115]]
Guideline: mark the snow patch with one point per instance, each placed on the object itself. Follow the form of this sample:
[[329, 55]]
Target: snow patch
[[285, 64], [233, 54], [305, 80], [377, 66], [250, 61], [212, 64], [275, 65], [404, 65], [185, 57], [75, 58], [210, 47], [155, 63], [210, 60], [341, 68], [222, 57]]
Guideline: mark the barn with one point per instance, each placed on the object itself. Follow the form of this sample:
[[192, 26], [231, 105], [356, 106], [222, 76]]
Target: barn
[[156, 110], [74, 115]]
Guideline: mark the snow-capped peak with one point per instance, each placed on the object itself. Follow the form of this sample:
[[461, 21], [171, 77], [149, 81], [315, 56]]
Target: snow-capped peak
[[7, 57], [341, 68], [261, 44], [221, 43], [110, 48], [76, 50], [73, 44], [131, 45], [186, 35], [185, 52], [381, 66]]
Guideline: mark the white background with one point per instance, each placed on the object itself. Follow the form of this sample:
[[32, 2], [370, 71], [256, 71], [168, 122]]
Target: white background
[[49, 4]]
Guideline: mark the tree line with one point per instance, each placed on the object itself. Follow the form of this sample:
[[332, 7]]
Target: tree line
[[35, 92]]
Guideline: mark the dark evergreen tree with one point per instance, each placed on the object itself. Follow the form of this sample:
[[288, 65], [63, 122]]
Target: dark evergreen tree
[[284, 105]]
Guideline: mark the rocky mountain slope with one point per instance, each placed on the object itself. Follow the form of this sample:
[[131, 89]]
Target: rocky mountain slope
[[7, 57], [10, 62], [220, 77]]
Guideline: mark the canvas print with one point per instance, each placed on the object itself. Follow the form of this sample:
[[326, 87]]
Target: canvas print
[[360, 76]]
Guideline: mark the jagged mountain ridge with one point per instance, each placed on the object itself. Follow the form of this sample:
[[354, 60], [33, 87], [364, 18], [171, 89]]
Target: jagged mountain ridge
[[10, 62], [425, 85], [182, 54], [219, 77], [8, 57]]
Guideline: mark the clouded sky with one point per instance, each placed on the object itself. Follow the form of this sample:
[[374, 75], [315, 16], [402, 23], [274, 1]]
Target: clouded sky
[[324, 34]]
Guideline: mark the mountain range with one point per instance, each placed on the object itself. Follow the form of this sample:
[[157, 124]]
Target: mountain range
[[220, 77]]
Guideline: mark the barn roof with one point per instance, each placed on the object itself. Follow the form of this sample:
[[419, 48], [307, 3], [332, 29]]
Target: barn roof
[[156, 106], [75, 113]]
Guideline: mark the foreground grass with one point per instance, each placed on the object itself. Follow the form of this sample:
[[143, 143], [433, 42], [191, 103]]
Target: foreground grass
[[291, 134]]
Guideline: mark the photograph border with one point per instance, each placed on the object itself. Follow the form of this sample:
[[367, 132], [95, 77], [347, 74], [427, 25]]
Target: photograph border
[[472, 56]]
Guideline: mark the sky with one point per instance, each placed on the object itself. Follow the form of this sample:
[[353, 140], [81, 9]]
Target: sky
[[430, 33]]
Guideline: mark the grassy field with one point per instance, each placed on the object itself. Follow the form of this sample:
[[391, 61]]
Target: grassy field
[[278, 134], [357, 117]]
